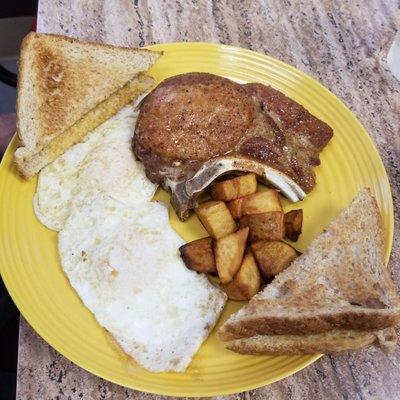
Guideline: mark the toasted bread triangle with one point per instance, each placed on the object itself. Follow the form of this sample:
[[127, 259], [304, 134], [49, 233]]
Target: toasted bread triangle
[[340, 282], [61, 81]]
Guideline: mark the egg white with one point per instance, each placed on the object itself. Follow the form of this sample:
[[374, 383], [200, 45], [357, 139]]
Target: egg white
[[103, 163], [124, 263]]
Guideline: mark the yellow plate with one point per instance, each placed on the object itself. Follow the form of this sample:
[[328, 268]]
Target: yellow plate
[[30, 268]]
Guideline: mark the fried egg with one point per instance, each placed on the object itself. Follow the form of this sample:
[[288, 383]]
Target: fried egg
[[103, 163], [124, 263]]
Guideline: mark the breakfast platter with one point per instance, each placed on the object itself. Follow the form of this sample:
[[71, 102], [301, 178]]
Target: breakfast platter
[[30, 252]]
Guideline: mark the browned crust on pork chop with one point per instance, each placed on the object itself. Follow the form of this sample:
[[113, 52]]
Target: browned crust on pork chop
[[290, 116], [194, 117], [293, 137]]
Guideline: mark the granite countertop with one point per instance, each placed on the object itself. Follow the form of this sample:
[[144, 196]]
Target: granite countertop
[[341, 44]]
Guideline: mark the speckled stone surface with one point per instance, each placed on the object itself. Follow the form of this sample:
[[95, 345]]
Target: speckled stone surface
[[343, 44]]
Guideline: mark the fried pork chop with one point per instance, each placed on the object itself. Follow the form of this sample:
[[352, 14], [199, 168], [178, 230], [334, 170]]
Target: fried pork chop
[[195, 127]]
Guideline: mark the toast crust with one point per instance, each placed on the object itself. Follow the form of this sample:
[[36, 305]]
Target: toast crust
[[332, 342], [365, 320]]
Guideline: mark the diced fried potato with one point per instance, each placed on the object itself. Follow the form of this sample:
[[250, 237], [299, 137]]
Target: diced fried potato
[[216, 218], [256, 203], [199, 255], [293, 224], [235, 207], [229, 253], [264, 226], [246, 283], [233, 188], [273, 257]]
